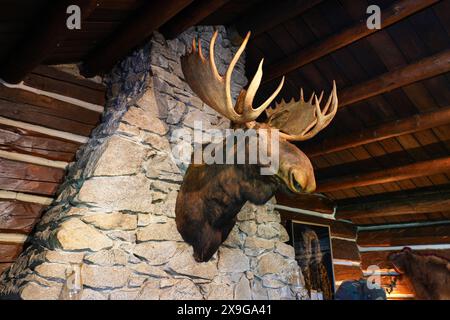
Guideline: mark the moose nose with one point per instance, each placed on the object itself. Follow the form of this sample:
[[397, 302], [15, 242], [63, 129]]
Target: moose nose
[[301, 182]]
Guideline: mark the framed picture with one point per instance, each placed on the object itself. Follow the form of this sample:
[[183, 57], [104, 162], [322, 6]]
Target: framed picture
[[313, 252]]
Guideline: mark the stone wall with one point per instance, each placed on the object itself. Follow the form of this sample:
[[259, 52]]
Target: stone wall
[[114, 215]]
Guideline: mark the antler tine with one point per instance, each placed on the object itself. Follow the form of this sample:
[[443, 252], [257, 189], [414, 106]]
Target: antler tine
[[315, 117], [215, 90]]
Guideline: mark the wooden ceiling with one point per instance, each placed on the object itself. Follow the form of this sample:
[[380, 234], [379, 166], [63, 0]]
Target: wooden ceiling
[[391, 136]]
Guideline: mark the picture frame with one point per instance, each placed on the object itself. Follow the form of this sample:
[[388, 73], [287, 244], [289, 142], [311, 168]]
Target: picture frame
[[314, 254]]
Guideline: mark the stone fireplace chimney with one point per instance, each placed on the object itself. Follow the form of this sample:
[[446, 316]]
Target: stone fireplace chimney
[[114, 217]]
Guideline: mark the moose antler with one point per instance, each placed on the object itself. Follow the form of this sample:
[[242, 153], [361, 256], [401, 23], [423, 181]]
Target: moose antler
[[215, 90], [301, 120]]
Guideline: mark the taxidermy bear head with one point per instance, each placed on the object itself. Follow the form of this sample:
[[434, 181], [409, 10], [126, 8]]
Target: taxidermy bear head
[[213, 194]]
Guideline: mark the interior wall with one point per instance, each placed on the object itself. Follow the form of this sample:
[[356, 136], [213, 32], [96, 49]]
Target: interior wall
[[114, 216]]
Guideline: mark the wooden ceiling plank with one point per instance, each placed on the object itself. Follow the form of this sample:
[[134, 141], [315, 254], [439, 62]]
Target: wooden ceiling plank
[[191, 16], [261, 18], [384, 131], [408, 171], [423, 69], [398, 11], [42, 39], [152, 16]]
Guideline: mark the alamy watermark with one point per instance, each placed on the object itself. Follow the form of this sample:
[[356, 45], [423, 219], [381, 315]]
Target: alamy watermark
[[229, 146], [374, 20]]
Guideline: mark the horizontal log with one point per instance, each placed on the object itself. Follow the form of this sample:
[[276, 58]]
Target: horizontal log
[[33, 143], [337, 228], [191, 16], [66, 77], [384, 131], [311, 202], [345, 250], [417, 71], [380, 258], [10, 251], [63, 135], [132, 33], [36, 115], [436, 234], [347, 273], [50, 106], [34, 187], [11, 195], [18, 216], [265, 16], [396, 12], [28, 171], [53, 80], [418, 169], [4, 266], [392, 204]]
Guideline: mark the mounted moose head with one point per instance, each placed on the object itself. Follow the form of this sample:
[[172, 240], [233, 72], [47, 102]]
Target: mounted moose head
[[212, 195]]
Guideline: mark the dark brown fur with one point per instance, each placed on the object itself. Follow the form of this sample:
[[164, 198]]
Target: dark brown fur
[[211, 197], [429, 275]]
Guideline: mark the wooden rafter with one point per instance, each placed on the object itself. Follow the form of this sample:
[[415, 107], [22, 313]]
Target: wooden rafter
[[149, 18], [384, 131], [392, 204], [417, 71], [192, 15], [42, 39], [396, 12], [418, 169], [268, 15]]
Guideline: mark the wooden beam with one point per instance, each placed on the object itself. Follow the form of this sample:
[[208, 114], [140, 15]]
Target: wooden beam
[[417, 71], [265, 16], [191, 16], [418, 169], [25, 197], [392, 204], [149, 18], [10, 251], [436, 234], [396, 12], [384, 131], [42, 39], [311, 202]]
